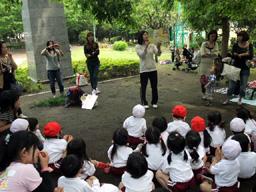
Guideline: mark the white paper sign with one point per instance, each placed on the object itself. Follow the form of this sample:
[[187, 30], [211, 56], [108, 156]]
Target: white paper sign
[[89, 101]]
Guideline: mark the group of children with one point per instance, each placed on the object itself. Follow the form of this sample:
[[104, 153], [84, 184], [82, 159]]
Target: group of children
[[176, 154]]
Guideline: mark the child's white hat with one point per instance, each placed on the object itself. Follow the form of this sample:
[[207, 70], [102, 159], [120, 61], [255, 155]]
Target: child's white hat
[[108, 188], [237, 124], [19, 125], [138, 111], [231, 149]]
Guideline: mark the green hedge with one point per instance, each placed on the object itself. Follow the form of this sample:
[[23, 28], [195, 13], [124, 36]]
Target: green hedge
[[110, 68], [120, 45]]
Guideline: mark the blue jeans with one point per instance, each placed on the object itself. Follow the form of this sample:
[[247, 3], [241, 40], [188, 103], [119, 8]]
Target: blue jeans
[[94, 71], [243, 83], [52, 75]]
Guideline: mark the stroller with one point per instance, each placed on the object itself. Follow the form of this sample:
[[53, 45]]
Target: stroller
[[188, 55]]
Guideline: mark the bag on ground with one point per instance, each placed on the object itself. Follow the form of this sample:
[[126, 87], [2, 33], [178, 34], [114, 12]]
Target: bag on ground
[[81, 79], [73, 97]]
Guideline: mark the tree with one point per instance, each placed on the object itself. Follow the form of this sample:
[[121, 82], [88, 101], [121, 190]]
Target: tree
[[210, 14]]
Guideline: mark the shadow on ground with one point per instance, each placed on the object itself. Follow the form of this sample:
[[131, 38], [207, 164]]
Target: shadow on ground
[[115, 104]]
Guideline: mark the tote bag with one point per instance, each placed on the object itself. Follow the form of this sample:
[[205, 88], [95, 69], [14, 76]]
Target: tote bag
[[231, 72]]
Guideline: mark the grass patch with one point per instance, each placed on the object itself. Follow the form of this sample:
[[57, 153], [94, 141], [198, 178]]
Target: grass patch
[[58, 101]]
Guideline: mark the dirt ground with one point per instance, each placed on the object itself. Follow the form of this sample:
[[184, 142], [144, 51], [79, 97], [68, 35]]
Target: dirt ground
[[116, 101]]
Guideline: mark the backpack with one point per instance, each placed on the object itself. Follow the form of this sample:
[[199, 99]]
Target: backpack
[[204, 79], [73, 97]]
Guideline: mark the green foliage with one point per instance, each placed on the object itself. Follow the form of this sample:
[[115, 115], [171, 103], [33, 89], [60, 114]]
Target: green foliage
[[110, 68], [58, 101], [120, 45], [82, 37], [21, 74], [116, 38]]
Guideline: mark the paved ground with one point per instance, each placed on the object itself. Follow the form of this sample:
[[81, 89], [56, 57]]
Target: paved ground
[[115, 105]]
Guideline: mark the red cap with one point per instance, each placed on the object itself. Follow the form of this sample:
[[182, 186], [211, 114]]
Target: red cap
[[52, 129], [179, 110], [198, 124]]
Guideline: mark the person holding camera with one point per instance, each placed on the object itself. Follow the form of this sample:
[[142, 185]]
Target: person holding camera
[[52, 53]]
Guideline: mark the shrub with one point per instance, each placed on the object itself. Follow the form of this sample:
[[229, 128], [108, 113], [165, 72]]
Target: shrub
[[110, 68], [58, 101], [120, 45], [194, 45], [22, 76], [82, 37]]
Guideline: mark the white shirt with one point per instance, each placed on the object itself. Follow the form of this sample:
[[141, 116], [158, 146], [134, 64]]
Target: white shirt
[[218, 136], [247, 162], [147, 61], [201, 152], [250, 126], [120, 157], [180, 126], [165, 135], [76, 184], [88, 169], [155, 159], [142, 184], [179, 170], [55, 148], [135, 126], [226, 172]]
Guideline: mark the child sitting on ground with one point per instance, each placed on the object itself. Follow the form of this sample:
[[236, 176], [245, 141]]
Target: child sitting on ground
[[78, 147], [176, 174], [119, 151], [247, 159], [55, 145], [137, 178], [237, 126], [161, 124], [225, 167], [136, 125], [198, 124], [154, 149], [216, 130], [210, 85], [34, 127], [71, 168], [179, 114], [19, 125]]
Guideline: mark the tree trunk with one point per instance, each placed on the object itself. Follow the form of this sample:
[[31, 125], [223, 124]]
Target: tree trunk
[[225, 36], [174, 35]]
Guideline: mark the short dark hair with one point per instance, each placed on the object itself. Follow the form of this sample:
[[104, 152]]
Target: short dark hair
[[212, 32], [8, 99], [1, 46], [70, 166], [78, 147], [243, 140], [160, 123], [32, 123], [140, 37], [137, 165], [245, 36]]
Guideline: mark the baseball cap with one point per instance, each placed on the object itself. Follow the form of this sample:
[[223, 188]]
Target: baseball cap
[[19, 125], [231, 149], [179, 110], [52, 129], [138, 111], [198, 124], [237, 124]]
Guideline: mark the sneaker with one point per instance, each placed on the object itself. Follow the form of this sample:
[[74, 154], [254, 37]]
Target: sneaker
[[146, 106], [23, 116], [53, 96], [201, 178], [155, 106], [97, 91], [94, 92], [209, 103]]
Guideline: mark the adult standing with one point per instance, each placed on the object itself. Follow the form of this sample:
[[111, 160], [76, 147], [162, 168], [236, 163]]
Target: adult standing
[[148, 69], [91, 52], [209, 51], [7, 67], [241, 51], [52, 53]]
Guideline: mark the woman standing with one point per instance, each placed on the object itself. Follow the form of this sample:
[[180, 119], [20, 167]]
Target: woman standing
[[91, 52], [7, 67], [209, 51], [148, 69], [52, 53], [241, 51]]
